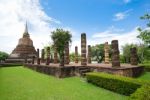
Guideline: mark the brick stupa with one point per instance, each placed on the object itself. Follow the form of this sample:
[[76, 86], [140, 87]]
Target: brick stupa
[[24, 49]]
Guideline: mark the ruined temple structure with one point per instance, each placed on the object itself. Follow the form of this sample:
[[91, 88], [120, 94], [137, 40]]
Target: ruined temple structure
[[83, 49], [133, 56], [55, 56], [48, 56], [89, 54], [115, 54], [106, 53], [42, 56], [38, 57], [67, 53], [24, 49], [76, 54]]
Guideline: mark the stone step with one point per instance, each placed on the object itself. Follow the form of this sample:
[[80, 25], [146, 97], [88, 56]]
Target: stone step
[[83, 71]]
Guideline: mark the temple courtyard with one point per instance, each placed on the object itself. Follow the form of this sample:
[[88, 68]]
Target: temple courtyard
[[19, 83]]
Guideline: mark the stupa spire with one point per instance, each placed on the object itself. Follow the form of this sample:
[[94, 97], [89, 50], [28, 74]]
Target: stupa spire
[[26, 34]]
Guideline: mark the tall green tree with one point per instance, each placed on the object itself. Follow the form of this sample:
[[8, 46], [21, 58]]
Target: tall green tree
[[97, 52], [60, 38], [145, 33], [144, 49], [72, 57], [3, 55], [126, 52]]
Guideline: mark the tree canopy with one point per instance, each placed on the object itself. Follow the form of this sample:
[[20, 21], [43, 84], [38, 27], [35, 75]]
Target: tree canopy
[[60, 38], [3, 55], [97, 52], [145, 33]]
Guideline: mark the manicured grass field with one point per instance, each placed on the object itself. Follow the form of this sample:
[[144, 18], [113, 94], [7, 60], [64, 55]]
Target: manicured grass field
[[145, 76], [18, 83]]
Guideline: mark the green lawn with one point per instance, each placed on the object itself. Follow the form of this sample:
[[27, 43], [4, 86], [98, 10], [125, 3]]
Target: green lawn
[[145, 76], [18, 83]]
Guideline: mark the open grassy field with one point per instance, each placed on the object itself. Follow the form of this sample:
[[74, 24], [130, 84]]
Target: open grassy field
[[18, 83]]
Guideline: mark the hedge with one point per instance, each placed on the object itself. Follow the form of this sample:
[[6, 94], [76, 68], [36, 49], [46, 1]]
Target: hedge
[[9, 64], [116, 83], [146, 66], [142, 93]]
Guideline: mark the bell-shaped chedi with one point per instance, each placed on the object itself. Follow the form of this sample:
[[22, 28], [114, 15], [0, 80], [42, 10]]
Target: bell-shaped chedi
[[24, 49]]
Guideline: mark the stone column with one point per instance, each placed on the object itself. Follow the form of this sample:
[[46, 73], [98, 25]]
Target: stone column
[[76, 54], [33, 57], [106, 53], [48, 56], [133, 56], [37, 53], [67, 53], [83, 49], [115, 54], [38, 61], [42, 56], [55, 56], [89, 54]]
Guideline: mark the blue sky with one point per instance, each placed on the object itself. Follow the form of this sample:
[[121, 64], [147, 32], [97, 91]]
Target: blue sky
[[102, 20], [96, 15]]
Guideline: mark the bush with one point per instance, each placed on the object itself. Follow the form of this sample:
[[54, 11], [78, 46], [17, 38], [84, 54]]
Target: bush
[[119, 84], [10, 65], [3, 55], [142, 93], [146, 66]]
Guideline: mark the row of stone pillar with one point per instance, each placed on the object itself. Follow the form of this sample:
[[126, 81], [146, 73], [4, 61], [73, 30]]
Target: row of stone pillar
[[84, 60], [47, 60], [115, 53]]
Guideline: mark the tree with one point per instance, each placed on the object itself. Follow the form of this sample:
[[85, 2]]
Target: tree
[[144, 49], [60, 38], [126, 52], [143, 53], [3, 56], [97, 52], [145, 33], [72, 57]]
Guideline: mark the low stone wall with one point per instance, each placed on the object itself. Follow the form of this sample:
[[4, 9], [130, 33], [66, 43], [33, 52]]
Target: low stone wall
[[60, 72], [68, 71], [129, 72]]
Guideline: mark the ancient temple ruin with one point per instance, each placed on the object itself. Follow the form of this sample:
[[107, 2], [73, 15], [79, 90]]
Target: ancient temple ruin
[[106, 53], [115, 54], [133, 56], [83, 49], [24, 49]]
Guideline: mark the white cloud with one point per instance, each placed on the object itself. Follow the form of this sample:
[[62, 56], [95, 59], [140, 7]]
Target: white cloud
[[121, 15], [13, 16], [122, 37]]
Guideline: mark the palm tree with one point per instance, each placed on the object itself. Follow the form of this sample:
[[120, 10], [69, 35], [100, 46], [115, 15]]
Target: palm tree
[[60, 38]]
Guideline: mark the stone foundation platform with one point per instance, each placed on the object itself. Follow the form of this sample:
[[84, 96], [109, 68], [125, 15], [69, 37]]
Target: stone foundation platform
[[79, 70], [125, 69]]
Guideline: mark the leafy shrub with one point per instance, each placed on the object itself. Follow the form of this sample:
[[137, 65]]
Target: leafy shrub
[[146, 66], [3, 55], [10, 65], [119, 84], [142, 93]]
